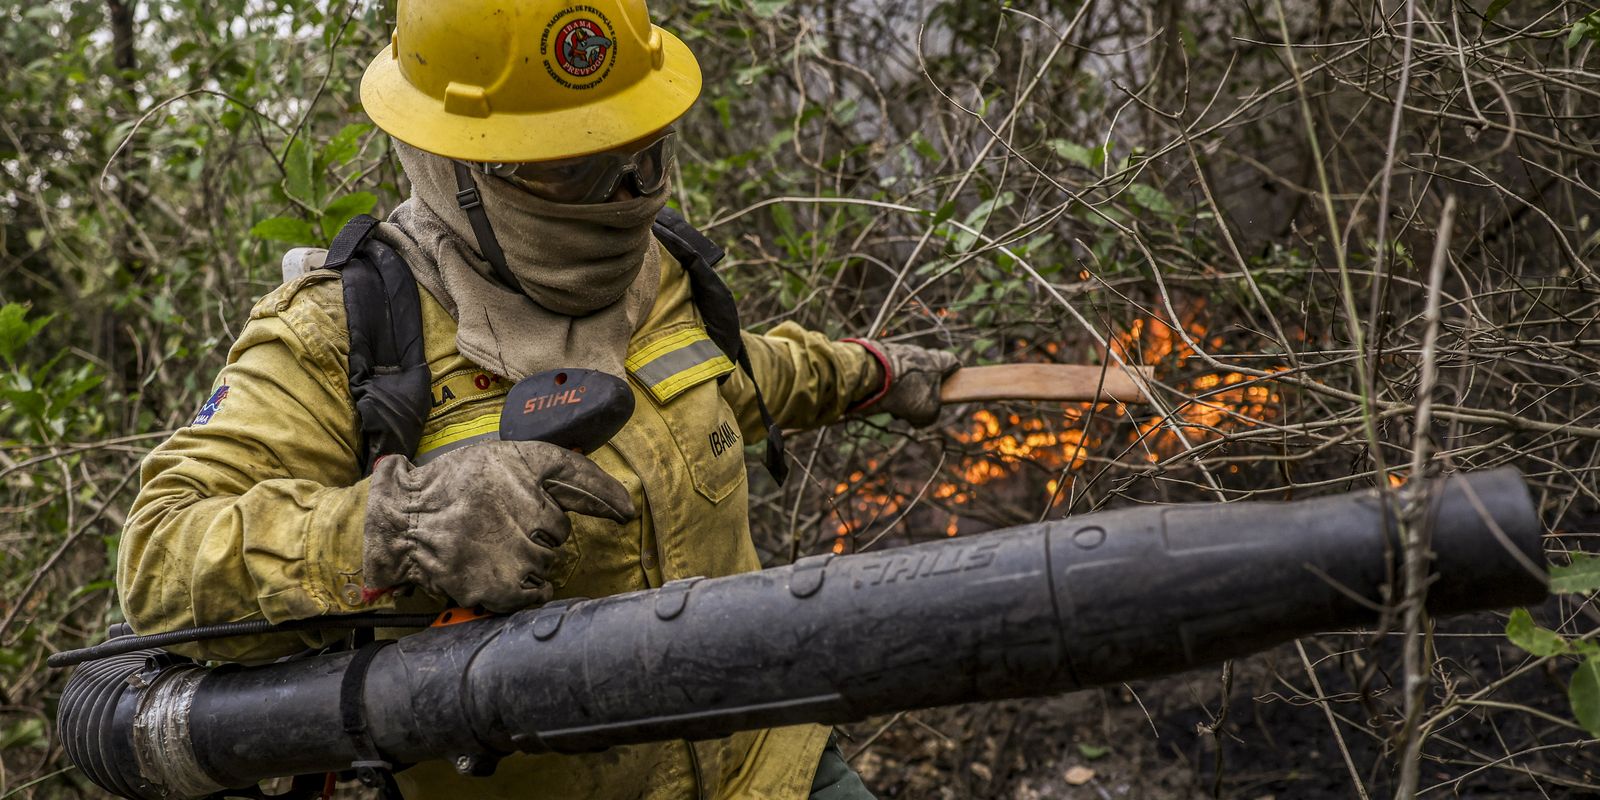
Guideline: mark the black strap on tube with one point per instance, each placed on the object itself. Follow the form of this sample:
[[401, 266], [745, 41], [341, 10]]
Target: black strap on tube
[[370, 768]]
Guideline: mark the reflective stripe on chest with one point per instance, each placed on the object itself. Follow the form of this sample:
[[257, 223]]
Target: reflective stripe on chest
[[451, 394], [485, 428], [664, 368], [672, 364]]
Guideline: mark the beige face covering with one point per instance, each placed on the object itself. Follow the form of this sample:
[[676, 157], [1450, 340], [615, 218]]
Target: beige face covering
[[587, 274]]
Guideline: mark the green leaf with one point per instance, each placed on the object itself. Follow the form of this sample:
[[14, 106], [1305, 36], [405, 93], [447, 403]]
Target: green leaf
[[980, 218], [284, 229], [1579, 577], [1099, 155], [31, 403], [1522, 632], [95, 586], [748, 75], [1495, 8], [766, 8], [297, 162], [64, 396], [350, 205], [1152, 200], [1076, 153], [784, 219], [340, 211], [345, 144], [1585, 695], [27, 733], [1588, 27], [16, 329], [1093, 752]]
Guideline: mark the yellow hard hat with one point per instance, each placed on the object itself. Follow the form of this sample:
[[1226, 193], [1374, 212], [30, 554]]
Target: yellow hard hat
[[503, 81]]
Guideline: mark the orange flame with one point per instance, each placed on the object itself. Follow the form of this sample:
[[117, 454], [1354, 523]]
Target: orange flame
[[1058, 440]]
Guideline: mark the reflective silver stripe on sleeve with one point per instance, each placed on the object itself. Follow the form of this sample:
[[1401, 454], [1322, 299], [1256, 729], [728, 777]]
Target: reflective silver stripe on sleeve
[[671, 363]]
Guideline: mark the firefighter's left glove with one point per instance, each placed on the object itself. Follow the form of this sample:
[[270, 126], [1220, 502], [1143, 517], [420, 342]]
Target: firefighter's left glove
[[911, 379], [481, 525]]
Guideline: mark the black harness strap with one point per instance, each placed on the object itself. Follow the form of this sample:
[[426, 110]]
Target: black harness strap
[[712, 297], [470, 200], [389, 379], [699, 255], [371, 769]]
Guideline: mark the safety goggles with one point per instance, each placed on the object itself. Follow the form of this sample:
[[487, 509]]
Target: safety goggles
[[594, 178]]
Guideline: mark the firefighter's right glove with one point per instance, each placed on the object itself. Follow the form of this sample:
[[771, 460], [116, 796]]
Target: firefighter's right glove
[[481, 525]]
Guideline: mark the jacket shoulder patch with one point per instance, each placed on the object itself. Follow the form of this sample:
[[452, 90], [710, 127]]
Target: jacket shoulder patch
[[211, 406], [669, 365]]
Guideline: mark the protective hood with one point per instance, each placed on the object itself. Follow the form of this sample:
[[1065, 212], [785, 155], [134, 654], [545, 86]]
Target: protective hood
[[586, 275]]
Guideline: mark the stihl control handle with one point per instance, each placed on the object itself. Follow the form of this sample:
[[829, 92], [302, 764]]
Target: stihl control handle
[[579, 409]]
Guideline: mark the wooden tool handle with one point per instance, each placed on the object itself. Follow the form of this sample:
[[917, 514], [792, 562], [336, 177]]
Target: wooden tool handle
[[1059, 382]]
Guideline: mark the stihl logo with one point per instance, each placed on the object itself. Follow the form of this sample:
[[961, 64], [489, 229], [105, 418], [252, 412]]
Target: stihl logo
[[898, 567], [544, 401]]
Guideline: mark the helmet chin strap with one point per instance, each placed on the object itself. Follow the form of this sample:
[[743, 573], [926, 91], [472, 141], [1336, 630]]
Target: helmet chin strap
[[471, 201]]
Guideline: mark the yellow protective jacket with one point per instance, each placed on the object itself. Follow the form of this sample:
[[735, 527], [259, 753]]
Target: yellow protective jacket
[[257, 509]]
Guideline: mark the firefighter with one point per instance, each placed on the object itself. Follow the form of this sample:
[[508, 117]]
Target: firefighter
[[538, 139]]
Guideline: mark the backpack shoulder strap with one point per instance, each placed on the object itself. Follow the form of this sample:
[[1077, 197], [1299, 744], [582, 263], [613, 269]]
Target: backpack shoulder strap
[[714, 300], [389, 378], [699, 257]]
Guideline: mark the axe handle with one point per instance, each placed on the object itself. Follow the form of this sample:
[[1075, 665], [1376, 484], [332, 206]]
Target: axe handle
[[1059, 382]]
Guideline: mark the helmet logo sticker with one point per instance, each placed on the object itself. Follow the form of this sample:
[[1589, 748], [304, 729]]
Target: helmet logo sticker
[[578, 46], [583, 48]]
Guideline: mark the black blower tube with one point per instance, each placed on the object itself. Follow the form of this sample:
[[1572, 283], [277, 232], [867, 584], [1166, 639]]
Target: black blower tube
[[1032, 610]]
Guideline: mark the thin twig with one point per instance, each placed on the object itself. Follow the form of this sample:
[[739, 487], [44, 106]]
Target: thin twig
[[1414, 527]]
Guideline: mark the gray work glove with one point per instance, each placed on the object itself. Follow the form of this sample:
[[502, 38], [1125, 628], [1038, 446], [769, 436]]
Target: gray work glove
[[481, 525], [912, 376]]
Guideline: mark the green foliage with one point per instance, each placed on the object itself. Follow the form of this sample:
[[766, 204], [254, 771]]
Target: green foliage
[[1086, 157], [16, 330], [41, 394], [25, 733], [284, 229], [1580, 576], [311, 182], [1585, 694], [1093, 752], [1541, 642], [1585, 28], [147, 203], [977, 221], [1583, 691]]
